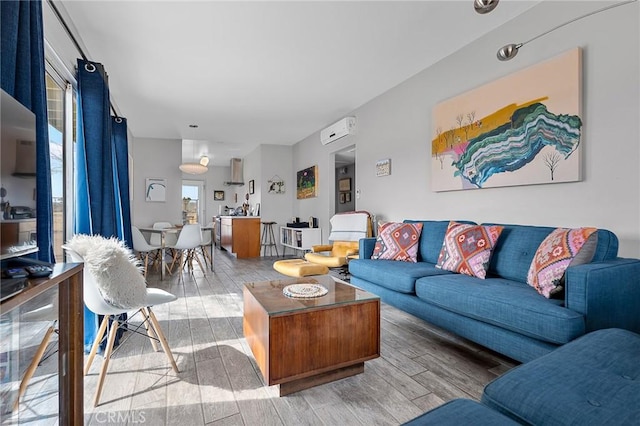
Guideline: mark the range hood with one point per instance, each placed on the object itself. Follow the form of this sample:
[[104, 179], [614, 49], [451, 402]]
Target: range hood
[[236, 172]]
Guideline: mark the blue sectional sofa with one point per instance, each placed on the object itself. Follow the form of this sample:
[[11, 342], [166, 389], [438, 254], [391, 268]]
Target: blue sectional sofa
[[590, 381], [502, 312]]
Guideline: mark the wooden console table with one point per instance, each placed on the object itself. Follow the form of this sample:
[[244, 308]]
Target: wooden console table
[[68, 278]]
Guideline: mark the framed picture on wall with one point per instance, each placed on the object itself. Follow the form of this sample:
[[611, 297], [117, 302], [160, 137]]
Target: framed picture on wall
[[347, 197], [155, 189], [251, 186], [218, 195], [344, 184], [307, 183], [343, 198]]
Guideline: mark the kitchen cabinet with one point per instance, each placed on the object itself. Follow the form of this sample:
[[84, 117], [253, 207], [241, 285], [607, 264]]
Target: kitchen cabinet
[[240, 235], [15, 232]]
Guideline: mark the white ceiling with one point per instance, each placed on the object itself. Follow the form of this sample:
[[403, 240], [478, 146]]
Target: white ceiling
[[250, 73]]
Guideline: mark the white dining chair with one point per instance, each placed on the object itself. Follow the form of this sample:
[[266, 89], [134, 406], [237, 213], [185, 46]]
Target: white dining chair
[[207, 241], [189, 241], [145, 250], [49, 314], [156, 239], [104, 295]]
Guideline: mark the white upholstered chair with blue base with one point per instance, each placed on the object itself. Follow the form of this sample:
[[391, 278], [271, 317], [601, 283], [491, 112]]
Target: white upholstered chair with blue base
[[113, 285]]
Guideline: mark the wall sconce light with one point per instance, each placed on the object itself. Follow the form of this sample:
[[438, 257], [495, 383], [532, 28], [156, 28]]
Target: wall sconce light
[[509, 51], [484, 6], [204, 160]]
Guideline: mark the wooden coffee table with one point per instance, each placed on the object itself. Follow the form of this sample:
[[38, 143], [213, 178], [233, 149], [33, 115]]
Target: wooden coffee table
[[300, 343]]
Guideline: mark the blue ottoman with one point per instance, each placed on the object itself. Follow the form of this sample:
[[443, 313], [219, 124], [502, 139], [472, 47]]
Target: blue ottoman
[[593, 380], [461, 412]]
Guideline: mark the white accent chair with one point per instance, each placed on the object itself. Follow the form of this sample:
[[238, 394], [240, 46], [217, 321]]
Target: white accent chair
[[97, 303], [144, 250], [189, 241]]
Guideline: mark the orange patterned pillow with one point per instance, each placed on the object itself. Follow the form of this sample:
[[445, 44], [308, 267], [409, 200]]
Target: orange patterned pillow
[[398, 241], [556, 253], [467, 249]]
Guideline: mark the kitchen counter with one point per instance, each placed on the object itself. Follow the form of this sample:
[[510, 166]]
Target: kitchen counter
[[239, 217], [240, 235]]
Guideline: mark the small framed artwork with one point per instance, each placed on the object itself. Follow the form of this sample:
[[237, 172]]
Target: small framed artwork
[[343, 198], [251, 186], [276, 185], [307, 183], [347, 197], [383, 167], [155, 190], [344, 184], [218, 195]]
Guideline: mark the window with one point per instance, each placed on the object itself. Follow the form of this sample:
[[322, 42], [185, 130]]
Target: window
[[61, 113]]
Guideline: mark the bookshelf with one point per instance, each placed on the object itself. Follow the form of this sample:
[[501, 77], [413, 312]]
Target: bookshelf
[[299, 238]]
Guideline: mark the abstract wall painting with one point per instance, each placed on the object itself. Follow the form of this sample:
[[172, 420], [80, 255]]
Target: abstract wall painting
[[155, 189], [307, 183], [522, 129]]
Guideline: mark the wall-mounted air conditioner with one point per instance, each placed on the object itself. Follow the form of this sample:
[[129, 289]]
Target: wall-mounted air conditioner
[[344, 127]]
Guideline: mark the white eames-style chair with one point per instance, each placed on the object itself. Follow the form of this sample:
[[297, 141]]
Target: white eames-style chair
[[144, 250], [206, 243], [99, 304], [189, 241], [47, 313]]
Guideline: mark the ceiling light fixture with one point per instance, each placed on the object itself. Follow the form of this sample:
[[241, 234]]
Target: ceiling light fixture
[[194, 168], [204, 160], [509, 51], [484, 6]]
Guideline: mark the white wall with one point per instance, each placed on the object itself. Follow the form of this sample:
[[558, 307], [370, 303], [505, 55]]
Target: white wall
[[214, 181], [397, 125], [160, 158], [156, 158], [276, 160]]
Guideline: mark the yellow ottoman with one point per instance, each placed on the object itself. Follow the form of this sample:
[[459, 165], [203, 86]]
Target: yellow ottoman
[[299, 268]]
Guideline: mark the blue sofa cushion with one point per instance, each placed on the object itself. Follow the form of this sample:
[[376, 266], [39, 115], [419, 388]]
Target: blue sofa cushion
[[594, 380], [508, 304], [391, 274], [460, 412], [517, 245]]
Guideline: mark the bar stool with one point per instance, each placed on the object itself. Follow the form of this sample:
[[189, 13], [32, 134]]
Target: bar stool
[[268, 238]]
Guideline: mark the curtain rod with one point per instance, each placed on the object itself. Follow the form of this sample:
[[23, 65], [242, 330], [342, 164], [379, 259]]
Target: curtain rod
[[75, 43]]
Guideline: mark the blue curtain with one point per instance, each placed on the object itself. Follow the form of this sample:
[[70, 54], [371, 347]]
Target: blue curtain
[[123, 207], [95, 201], [22, 67], [102, 172]]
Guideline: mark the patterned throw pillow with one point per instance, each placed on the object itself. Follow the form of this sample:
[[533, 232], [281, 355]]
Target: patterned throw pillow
[[467, 249], [562, 248], [398, 241]]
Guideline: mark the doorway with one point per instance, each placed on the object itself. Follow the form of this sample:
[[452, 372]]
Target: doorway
[[345, 180], [193, 201]]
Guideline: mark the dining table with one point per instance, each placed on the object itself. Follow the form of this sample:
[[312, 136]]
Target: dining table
[[163, 243]]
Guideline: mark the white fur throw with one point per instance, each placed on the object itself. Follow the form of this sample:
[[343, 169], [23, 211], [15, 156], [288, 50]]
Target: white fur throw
[[116, 270]]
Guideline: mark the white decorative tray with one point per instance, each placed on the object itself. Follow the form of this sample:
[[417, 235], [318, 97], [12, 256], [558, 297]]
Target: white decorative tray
[[304, 291]]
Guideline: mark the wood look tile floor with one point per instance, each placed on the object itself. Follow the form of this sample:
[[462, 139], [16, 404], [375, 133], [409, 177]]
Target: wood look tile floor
[[219, 383]]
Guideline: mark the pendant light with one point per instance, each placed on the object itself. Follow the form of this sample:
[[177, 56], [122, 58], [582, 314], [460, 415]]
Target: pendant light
[[194, 168]]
